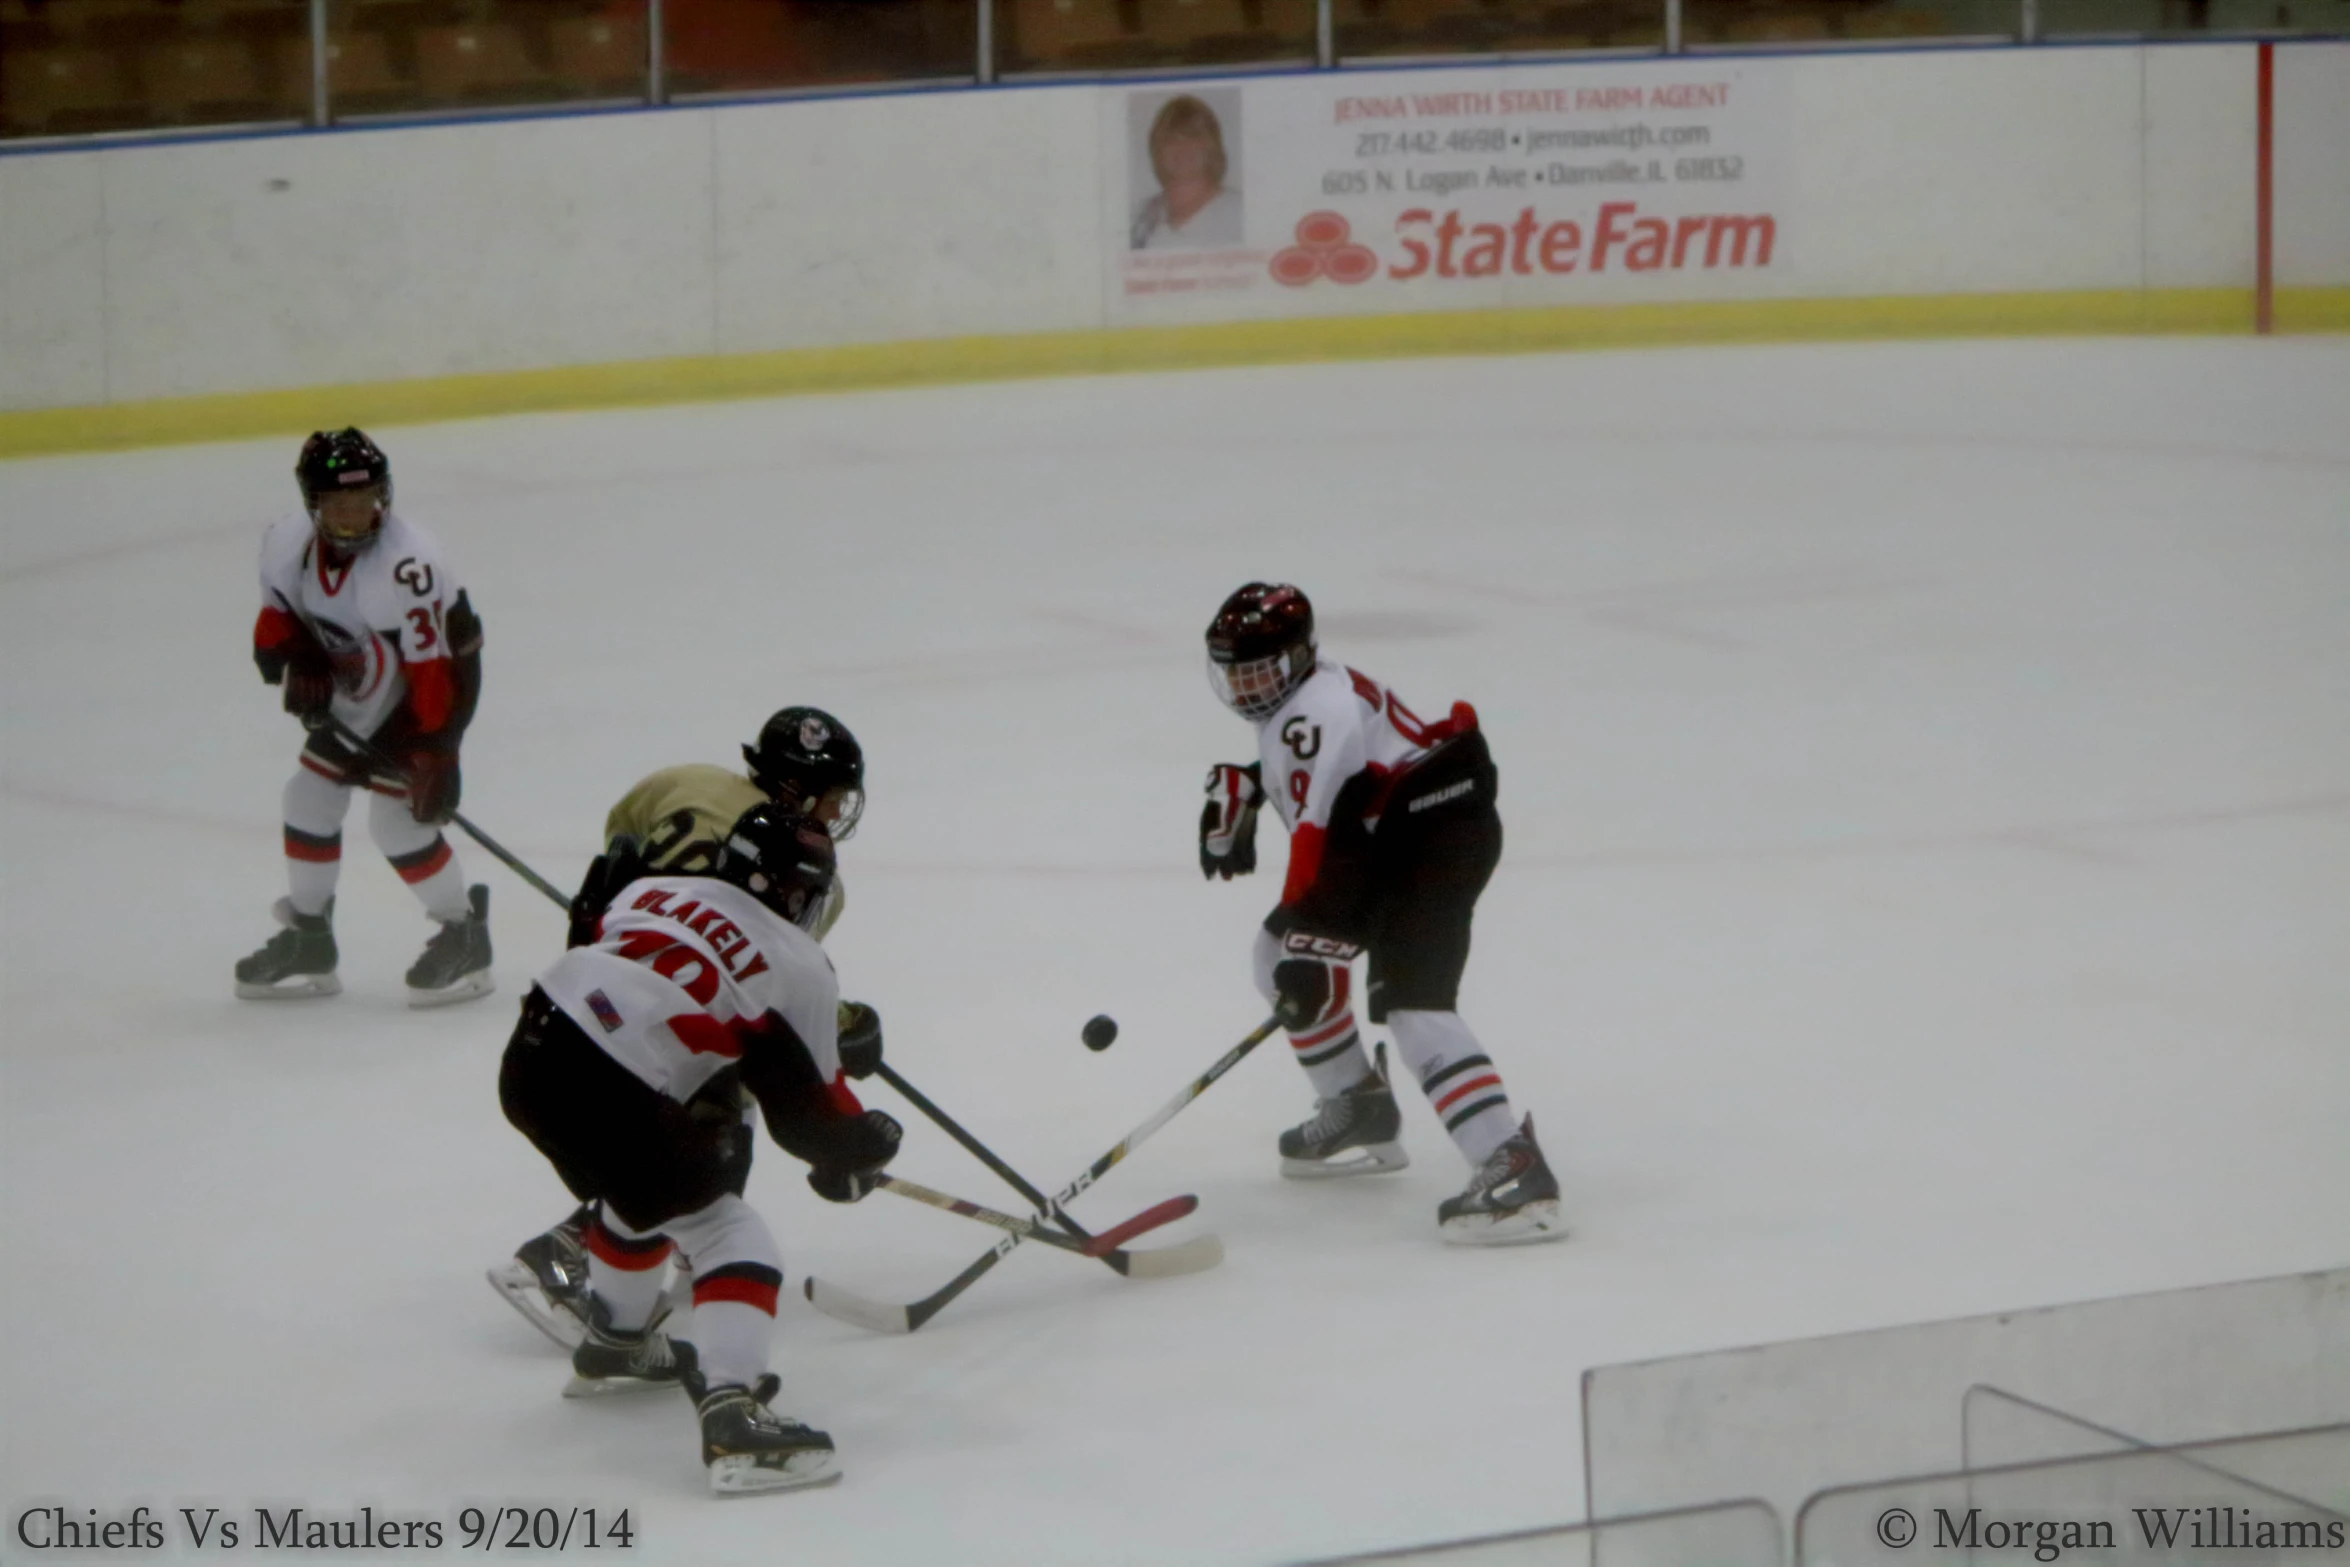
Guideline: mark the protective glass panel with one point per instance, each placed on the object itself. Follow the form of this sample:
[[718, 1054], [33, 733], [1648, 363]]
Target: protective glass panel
[[73, 67], [1405, 28], [1734, 1534], [1796, 23], [734, 46], [2185, 1503], [2059, 18], [1045, 36], [1999, 1428], [422, 56], [1781, 1421]]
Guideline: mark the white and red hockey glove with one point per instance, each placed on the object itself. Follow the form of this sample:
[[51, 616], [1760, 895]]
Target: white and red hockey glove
[[1228, 822]]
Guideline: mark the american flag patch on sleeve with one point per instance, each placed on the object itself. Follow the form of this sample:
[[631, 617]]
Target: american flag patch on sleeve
[[606, 1013]]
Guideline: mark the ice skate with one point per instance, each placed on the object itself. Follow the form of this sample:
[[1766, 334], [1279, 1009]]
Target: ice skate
[[298, 961], [749, 1448], [613, 1360], [547, 1282], [1512, 1200], [456, 961], [1351, 1133]]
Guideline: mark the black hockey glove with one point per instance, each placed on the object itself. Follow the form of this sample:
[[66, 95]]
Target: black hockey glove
[[310, 689], [1228, 822], [1302, 982], [619, 864], [863, 1144], [860, 1039], [1301, 992], [434, 784]]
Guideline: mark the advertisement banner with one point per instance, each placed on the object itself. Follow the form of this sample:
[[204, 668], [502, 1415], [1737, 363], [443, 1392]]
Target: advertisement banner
[[1441, 189]]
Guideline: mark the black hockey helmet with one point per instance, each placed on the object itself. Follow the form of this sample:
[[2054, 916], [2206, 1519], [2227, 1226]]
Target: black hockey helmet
[[782, 858], [1260, 647], [344, 462], [807, 758]]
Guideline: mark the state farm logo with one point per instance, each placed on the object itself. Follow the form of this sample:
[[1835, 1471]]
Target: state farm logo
[[1324, 248]]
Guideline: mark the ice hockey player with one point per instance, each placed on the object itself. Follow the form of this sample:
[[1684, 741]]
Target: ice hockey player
[[364, 625], [1393, 834], [675, 820], [625, 1070]]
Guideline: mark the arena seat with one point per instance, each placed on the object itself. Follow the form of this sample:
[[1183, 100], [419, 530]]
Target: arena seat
[[51, 92], [1078, 35], [599, 55], [204, 77], [476, 63]]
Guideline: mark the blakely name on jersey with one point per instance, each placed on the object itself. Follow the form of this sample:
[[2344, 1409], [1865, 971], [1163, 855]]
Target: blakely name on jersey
[[721, 935]]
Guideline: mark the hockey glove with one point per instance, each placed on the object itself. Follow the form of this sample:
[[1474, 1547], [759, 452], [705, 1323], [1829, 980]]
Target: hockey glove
[[860, 1039], [1228, 822], [433, 785], [619, 864], [310, 689], [863, 1145], [1304, 980]]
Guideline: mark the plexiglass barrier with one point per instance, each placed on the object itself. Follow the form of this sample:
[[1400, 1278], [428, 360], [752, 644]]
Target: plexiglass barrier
[[1782, 1421], [1730, 1534], [2279, 1497], [88, 67]]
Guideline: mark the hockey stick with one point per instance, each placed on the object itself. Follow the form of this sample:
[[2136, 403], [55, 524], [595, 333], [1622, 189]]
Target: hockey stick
[[1030, 1229], [1190, 1257], [368, 753], [1046, 1208]]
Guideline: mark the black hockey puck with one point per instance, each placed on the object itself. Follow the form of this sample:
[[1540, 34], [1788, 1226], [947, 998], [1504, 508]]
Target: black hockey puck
[[1101, 1032]]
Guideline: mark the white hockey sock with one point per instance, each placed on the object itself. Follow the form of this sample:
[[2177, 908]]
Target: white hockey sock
[[1332, 1054], [314, 811], [1459, 1079], [421, 855], [624, 1269], [738, 1272]]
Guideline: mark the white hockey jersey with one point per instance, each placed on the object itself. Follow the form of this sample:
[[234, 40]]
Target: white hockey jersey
[[381, 617], [683, 969], [1336, 724]]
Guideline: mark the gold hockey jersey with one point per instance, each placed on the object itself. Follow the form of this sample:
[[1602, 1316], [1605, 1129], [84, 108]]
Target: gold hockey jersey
[[679, 816]]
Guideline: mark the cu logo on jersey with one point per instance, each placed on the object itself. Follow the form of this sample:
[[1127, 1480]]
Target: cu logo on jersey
[[1303, 739], [414, 575]]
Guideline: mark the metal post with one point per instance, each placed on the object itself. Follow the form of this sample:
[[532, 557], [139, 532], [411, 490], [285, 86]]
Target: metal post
[[1673, 26], [986, 36], [321, 110], [2028, 25], [1325, 34], [656, 55]]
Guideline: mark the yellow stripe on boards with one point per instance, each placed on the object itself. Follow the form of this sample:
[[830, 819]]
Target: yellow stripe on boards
[[638, 383]]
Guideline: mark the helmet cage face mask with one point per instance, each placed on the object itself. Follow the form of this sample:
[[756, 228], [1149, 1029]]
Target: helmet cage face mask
[[1255, 688], [338, 517]]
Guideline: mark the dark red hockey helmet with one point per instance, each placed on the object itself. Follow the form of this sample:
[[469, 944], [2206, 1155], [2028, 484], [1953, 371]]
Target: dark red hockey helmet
[[1260, 647]]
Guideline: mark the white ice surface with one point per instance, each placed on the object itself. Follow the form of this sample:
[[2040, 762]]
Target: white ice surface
[[1927, 778]]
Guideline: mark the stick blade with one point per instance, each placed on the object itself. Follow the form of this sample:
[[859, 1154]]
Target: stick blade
[[858, 1310], [1143, 1223], [1196, 1255]]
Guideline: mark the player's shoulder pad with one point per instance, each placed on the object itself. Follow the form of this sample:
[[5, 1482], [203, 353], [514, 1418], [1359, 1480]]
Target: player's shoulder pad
[[1325, 698], [282, 548], [411, 560]]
